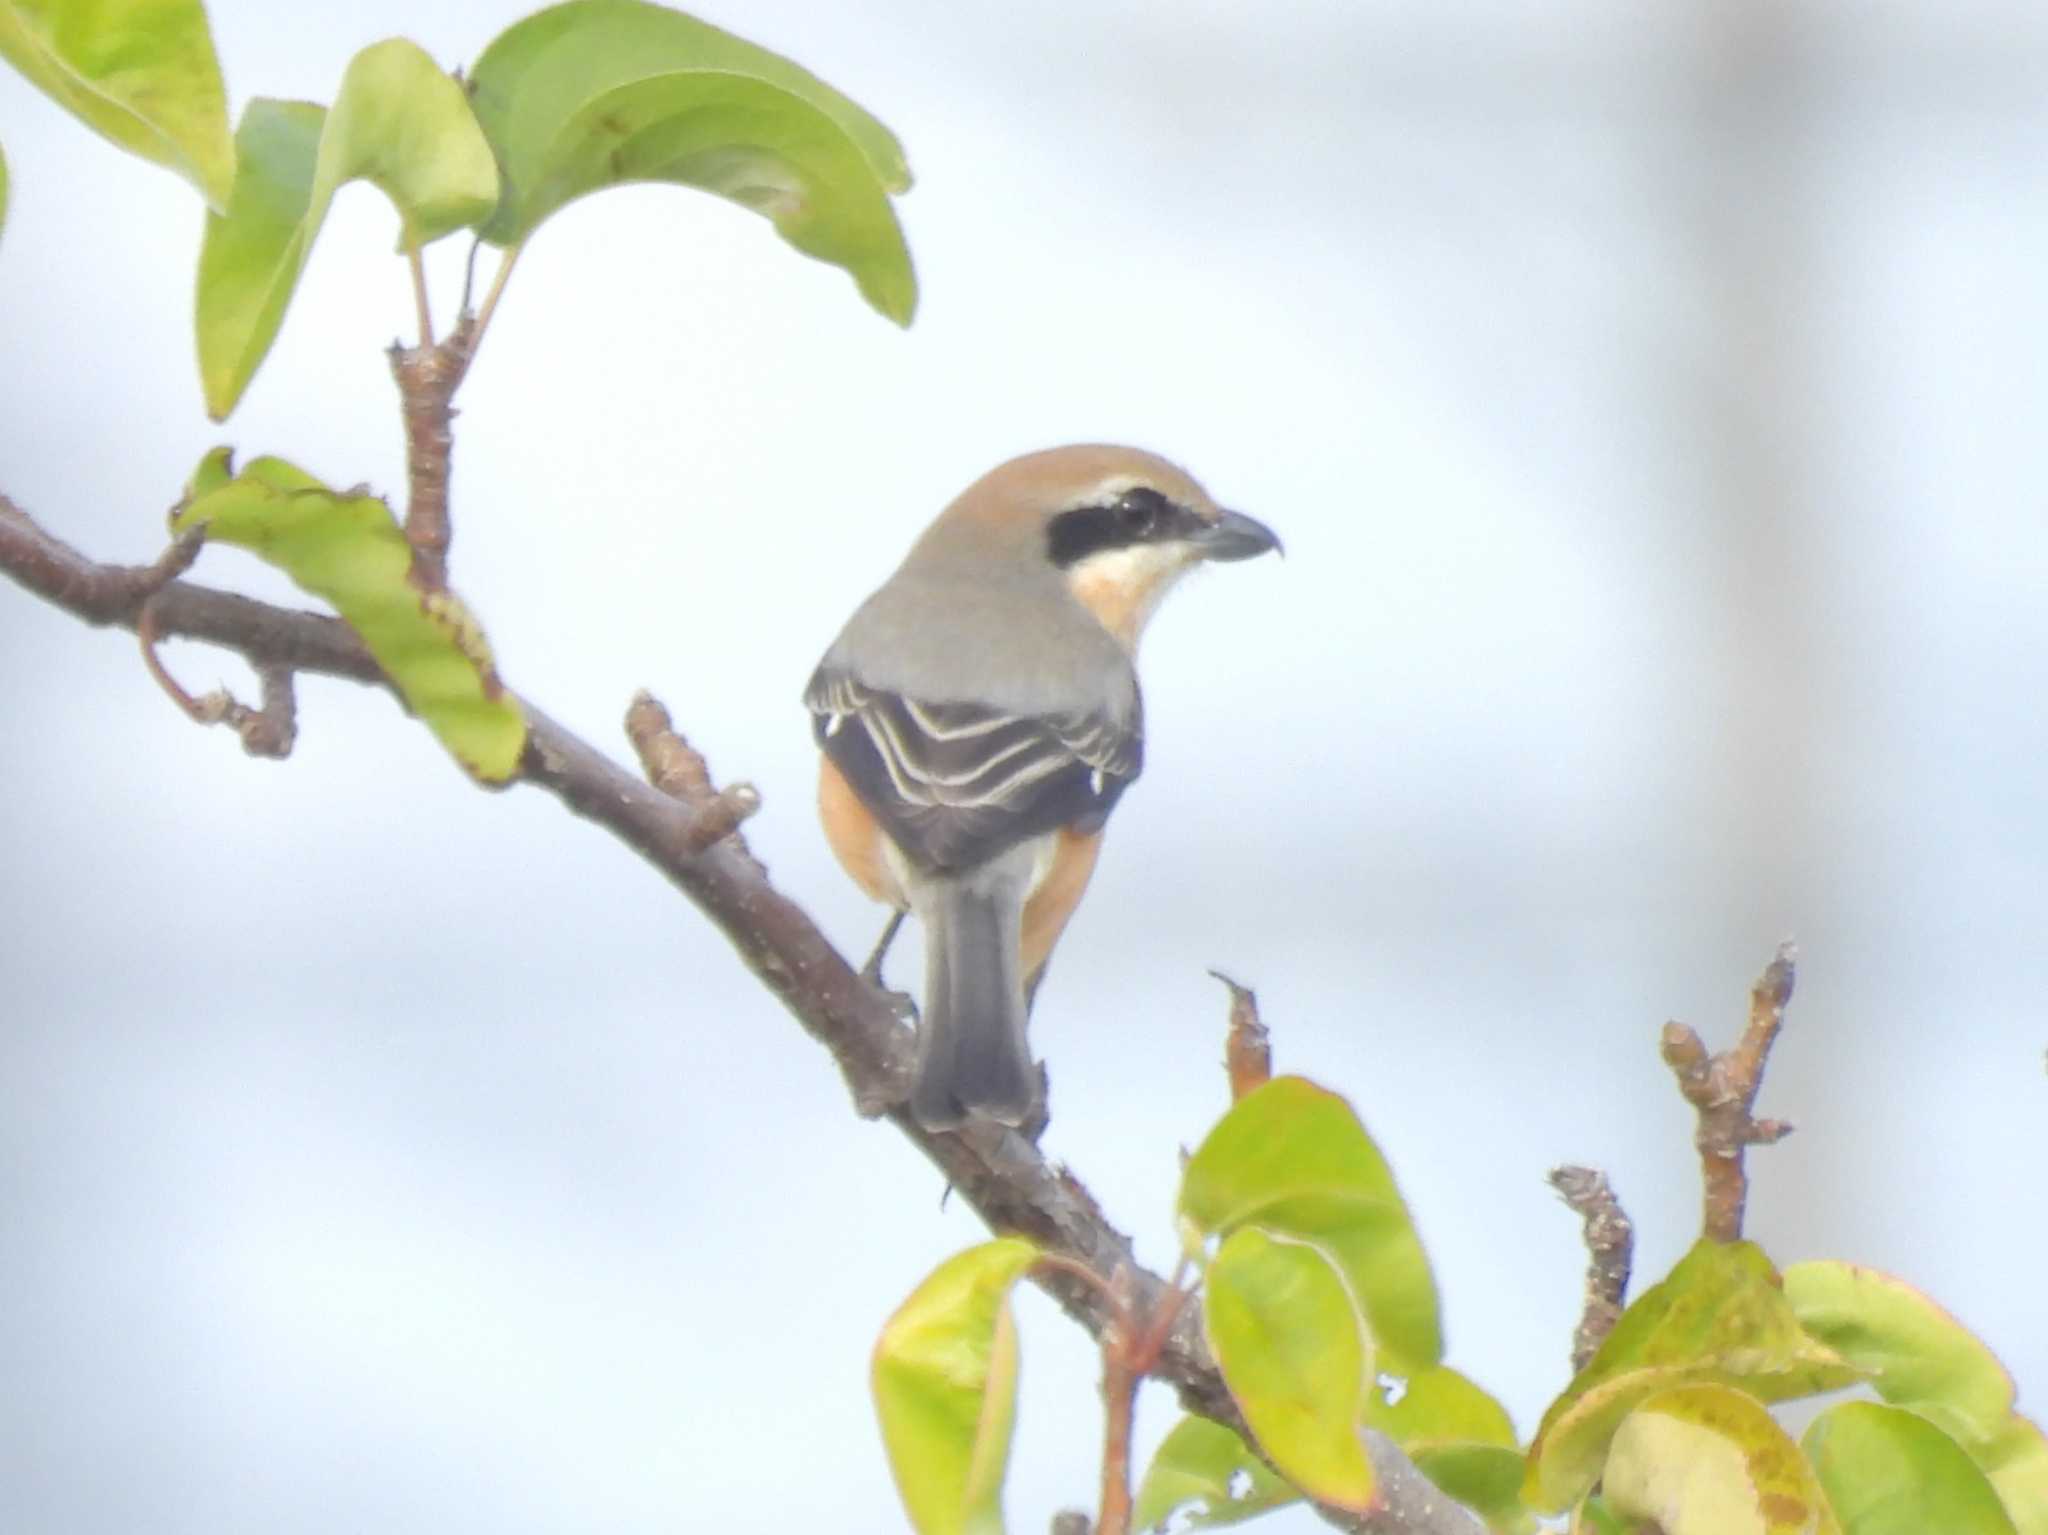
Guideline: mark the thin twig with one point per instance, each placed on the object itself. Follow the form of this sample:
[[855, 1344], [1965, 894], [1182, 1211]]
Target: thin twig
[[1059, 1263], [1722, 1089], [1610, 1254], [271, 730], [1002, 1175], [267, 731], [1129, 1352], [146, 636], [1248, 1047], [677, 769], [1122, 1369]]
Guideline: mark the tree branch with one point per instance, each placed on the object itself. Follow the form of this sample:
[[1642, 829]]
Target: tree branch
[[1610, 1254], [1723, 1089], [428, 376], [998, 1172]]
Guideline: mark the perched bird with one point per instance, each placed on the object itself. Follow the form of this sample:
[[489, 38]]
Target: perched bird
[[979, 718]]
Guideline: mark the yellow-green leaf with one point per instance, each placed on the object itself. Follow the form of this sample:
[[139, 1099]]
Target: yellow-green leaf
[[141, 73], [945, 1383], [399, 122], [1594, 1517], [250, 258], [403, 124], [1204, 1466], [1920, 1357], [1441, 1406], [346, 547], [1888, 1471], [1461, 1439], [1720, 1315], [1296, 1355], [1293, 1158], [597, 93], [1710, 1460]]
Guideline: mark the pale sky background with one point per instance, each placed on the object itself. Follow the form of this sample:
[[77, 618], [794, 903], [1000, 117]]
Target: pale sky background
[[1651, 398]]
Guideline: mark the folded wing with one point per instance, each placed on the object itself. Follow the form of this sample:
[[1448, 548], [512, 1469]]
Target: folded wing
[[955, 783]]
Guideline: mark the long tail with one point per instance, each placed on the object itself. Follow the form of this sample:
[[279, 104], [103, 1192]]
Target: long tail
[[973, 1057]]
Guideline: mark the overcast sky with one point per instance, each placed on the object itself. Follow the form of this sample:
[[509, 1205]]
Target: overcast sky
[[1651, 401]]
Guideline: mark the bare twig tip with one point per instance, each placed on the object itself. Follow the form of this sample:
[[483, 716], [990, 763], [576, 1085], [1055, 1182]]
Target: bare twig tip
[[1610, 1254], [1684, 1052], [1247, 1045], [1723, 1088], [268, 731]]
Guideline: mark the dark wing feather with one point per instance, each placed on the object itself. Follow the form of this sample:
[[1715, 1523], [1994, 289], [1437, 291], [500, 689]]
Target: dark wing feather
[[954, 784]]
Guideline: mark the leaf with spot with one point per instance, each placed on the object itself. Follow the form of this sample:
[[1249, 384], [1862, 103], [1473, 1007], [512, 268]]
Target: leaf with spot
[[600, 93], [1719, 1316], [1710, 1460], [1462, 1439], [1441, 1406], [399, 122], [140, 73], [346, 547], [1203, 1467], [944, 1378]]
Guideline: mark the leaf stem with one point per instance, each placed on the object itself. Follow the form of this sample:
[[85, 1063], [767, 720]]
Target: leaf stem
[[423, 311], [1131, 1346], [490, 305]]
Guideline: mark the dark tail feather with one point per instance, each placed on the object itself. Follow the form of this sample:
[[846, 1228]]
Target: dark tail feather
[[972, 1055]]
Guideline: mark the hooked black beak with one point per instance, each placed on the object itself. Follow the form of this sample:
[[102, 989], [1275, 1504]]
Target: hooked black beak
[[1234, 536]]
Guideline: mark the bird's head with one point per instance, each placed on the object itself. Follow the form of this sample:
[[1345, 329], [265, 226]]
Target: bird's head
[[1119, 526]]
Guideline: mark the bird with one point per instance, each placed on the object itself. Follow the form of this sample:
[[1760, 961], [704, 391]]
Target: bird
[[978, 719]]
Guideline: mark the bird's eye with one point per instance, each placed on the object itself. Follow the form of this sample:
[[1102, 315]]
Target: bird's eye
[[1140, 511]]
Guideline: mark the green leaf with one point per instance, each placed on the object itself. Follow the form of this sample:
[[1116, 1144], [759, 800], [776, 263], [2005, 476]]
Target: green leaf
[[1293, 1158], [1296, 1355], [1461, 1439], [403, 124], [1920, 1357], [1888, 1471], [1720, 1315], [141, 73], [1593, 1516], [597, 93], [1710, 1460], [1441, 1406], [399, 122], [945, 1383], [1205, 1465], [250, 258], [346, 547]]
